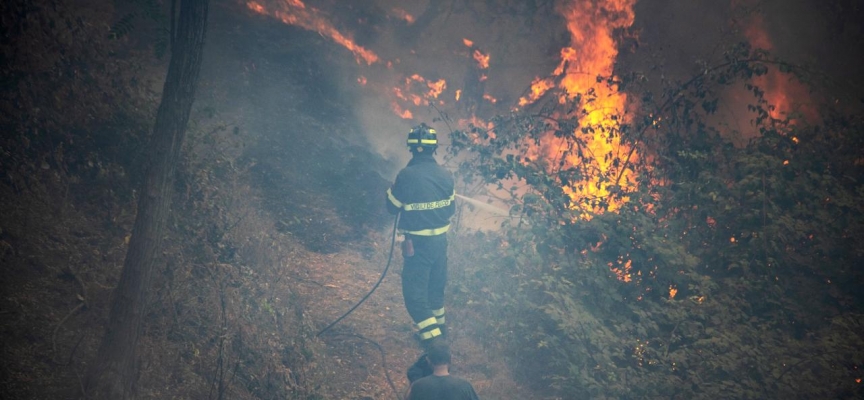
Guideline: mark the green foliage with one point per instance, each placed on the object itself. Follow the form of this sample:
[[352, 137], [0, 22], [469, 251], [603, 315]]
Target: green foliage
[[741, 259]]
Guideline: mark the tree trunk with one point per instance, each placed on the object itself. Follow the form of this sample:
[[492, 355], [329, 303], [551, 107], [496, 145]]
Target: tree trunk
[[114, 373]]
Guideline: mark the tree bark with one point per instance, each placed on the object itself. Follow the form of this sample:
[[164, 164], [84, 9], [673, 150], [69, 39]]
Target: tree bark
[[114, 373]]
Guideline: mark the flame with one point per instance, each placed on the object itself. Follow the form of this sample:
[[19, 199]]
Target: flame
[[482, 59], [622, 270], [401, 112], [295, 12], [592, 52], [418, 91], [780, 88], [539, 87], [672, 292]]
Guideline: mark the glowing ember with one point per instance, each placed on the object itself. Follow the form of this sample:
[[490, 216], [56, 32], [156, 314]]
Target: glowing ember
[[295, 12], [622, 270], [672, 292], [403, 15], [482, 59]]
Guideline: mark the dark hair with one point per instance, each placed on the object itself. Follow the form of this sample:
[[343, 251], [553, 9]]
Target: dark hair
[[438, 353]]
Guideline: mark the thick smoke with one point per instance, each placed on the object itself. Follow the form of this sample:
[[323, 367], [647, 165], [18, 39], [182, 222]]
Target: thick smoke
[[668, 42]]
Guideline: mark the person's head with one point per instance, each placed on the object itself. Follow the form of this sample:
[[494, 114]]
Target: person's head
[[422, 139], [438, 354]]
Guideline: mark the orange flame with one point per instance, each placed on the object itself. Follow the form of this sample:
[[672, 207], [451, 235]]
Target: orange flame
[[539, 87], [295, 12], [622, 270], [592, 53], [418, 91], [482, 59], [780, 89], [401, 112]]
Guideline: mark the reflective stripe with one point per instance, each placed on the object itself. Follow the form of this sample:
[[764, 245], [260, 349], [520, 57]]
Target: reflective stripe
[[439, 312], [426, 323], [423, 141], [393, 199], [432, 205], [429, 232], [440, 320], [431, 334]]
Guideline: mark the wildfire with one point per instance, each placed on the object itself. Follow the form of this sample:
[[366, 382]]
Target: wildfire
[[592, 53], [418, 91], [295, 12], [622, 270], [539, 87], [482, 59], [779, 88]]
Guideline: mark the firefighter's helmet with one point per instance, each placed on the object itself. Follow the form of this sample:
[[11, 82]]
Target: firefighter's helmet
[[422, 138]]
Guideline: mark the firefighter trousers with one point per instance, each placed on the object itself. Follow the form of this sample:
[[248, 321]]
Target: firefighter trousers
[[424, 278]]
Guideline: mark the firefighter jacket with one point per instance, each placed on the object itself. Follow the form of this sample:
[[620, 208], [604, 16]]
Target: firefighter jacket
[[425, 195]]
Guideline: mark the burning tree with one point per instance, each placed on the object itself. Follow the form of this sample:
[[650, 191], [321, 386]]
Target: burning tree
[[686, 272]]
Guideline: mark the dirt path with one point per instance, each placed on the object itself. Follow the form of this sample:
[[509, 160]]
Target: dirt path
[[332, 284]]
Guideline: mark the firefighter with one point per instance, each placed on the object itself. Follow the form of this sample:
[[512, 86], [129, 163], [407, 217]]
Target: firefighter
[[424, 195]]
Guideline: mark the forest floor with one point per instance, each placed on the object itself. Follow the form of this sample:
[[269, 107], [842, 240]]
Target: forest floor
[[275, 233], [331, 284], [57, 285]]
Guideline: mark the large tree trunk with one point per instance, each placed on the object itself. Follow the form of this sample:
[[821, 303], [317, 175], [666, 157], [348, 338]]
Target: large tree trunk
[[115, 371]]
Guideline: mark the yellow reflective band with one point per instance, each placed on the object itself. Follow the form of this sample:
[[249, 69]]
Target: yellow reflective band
[[393, 199], [430, 232], [426, 323], [431, 334], [423, 141], [438, 313], [432, 205], [432, 131]]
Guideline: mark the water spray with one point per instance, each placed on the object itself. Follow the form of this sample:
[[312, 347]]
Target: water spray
[[485, 206]]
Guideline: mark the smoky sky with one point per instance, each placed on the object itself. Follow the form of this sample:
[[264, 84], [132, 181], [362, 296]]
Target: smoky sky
[[523, 40]]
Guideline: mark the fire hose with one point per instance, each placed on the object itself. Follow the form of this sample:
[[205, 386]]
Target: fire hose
[[383, 274]]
